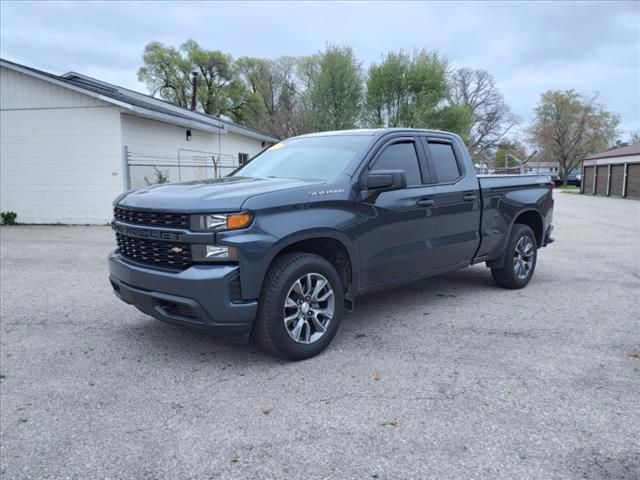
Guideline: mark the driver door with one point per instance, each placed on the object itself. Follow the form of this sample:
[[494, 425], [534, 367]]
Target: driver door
[[394, 240]]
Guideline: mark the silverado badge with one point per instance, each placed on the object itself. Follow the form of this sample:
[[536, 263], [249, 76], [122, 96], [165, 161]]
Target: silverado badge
[[176, 250]]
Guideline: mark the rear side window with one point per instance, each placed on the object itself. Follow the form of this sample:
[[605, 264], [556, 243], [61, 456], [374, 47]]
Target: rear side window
[[444, 162], [401, 156]]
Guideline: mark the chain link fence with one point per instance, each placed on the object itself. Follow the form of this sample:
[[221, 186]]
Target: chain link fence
[[146, 169], [485, 169]]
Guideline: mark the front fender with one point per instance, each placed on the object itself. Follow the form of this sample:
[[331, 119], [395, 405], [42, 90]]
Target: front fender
[[274, 231]]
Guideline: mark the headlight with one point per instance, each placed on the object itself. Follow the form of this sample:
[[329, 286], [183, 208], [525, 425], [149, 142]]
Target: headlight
[[218, 251], [220, 221], [214, 253]]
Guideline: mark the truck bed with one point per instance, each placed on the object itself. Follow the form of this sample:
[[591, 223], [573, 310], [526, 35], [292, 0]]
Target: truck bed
[[503, 198], [505, 181]]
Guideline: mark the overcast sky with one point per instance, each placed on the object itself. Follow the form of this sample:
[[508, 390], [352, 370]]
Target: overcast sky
[[528, 47]]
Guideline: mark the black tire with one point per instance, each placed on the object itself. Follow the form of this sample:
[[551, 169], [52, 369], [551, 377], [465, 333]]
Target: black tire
[[269, 330], [506, 276]]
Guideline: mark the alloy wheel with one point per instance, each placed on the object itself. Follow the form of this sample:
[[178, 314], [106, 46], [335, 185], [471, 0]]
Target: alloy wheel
[[523, 257], [309, 308]]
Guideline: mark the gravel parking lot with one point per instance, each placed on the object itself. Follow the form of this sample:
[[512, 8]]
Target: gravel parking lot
[[450, 377]]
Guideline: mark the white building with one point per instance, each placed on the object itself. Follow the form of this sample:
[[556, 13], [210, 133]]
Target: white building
[[70, 144], [544, 168]]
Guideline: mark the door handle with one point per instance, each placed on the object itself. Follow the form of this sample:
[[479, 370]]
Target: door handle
[[425, 203], [469, 197]]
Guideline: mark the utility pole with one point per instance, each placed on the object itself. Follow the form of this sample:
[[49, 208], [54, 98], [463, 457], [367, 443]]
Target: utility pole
[[194, 88], [506, 158]]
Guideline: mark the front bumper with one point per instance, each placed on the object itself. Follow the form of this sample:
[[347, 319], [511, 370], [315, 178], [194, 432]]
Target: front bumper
[[199, 297]]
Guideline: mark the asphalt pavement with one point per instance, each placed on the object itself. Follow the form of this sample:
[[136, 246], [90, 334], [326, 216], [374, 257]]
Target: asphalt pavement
[[447, 378]]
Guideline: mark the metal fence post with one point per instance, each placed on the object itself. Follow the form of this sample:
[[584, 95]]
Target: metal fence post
[[215, 166], [126, 178]]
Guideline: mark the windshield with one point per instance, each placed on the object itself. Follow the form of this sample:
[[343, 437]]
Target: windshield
[[315, 158]]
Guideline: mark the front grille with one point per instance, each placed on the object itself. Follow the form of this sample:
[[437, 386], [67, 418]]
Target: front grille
[[153, 252], [152, 218]]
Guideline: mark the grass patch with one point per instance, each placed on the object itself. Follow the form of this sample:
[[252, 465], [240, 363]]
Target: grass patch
[[568, 189]]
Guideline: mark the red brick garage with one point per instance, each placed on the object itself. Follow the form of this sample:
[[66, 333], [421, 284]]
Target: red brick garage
[[614, 173]]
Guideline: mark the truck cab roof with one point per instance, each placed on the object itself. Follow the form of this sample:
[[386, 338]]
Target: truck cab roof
[[374, 132]]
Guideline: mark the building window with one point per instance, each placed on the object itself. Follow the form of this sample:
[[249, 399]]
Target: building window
[[243, 158]]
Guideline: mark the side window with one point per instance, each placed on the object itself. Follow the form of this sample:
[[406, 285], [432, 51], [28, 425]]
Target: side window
[[444, 162], [401, 156]]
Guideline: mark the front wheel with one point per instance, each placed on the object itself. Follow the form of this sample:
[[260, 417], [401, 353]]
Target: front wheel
[[519, 259], [300, 307]]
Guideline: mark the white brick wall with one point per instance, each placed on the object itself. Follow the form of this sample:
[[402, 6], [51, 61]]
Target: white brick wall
[[166, 142], [151, 137], [57, 161], [20, 91]]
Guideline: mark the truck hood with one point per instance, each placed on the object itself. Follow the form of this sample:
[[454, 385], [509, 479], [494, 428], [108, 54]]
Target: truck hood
[[216, 195]]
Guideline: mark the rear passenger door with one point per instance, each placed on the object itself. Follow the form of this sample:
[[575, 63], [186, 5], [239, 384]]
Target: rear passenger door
[[456, 210]]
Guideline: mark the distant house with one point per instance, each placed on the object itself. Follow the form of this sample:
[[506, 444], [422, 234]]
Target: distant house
[[614, 172], [544, 168], [548, 168], [70, 144]]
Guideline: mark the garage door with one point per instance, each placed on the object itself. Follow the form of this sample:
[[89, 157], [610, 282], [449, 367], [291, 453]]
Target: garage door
[[588, 179], [617, 176], [602, 175], [633, 180]]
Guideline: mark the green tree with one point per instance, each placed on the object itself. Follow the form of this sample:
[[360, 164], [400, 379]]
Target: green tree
[[411, 91], [332, 90], [166, 73], [455, 118], [221, 91], [428, 88], [568, 126], [388, 98], [505, 153], [274, 84]]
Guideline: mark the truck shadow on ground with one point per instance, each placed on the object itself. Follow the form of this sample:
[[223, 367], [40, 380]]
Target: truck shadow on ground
[[371, 314], [422, 297], [421, 292]]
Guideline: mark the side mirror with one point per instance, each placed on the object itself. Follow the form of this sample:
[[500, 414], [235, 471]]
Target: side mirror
[[385, 180]]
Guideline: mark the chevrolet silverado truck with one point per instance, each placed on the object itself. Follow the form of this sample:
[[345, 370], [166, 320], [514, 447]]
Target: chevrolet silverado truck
[[277, 250]]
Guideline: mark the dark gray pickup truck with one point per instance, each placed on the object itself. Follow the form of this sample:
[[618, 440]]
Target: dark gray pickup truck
[[282, 246]]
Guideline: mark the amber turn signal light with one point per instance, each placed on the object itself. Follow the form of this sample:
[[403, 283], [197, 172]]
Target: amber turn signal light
[[238, 220]]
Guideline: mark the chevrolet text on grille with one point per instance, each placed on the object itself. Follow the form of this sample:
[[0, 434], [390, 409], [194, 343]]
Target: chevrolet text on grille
[[144, 232]]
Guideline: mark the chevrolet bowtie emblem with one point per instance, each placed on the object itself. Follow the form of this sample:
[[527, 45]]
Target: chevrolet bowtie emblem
[[176, 249]]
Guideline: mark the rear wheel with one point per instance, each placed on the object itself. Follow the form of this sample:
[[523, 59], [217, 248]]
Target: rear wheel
[[520, 259], [300, 307]]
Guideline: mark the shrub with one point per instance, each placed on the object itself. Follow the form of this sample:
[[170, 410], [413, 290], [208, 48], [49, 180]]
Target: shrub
[[160, 177], [8, 218]]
